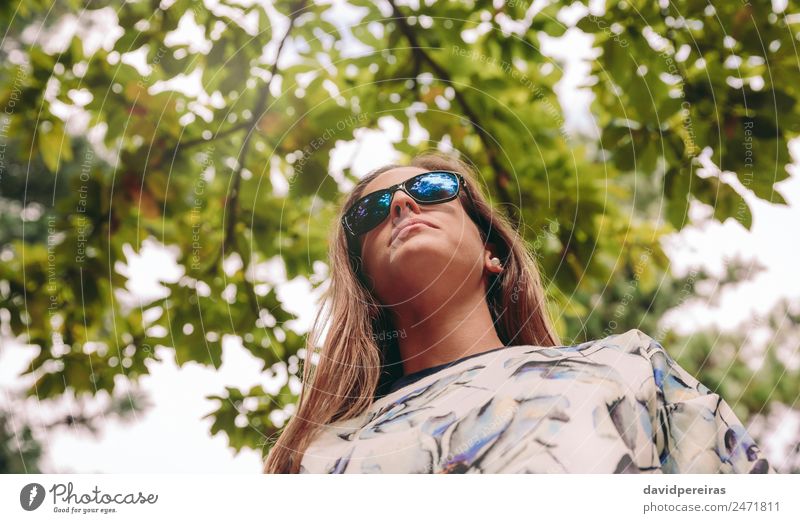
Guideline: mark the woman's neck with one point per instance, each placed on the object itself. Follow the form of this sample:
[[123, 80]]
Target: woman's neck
[[431, 337]]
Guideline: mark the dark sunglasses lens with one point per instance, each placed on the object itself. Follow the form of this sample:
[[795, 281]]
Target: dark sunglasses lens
[[369, 212], [434, 187]]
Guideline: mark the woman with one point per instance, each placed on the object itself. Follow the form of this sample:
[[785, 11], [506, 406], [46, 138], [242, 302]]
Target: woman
[[440, 356]]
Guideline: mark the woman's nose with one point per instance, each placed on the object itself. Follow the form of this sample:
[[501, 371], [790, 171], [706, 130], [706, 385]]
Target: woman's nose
[[402, 201]]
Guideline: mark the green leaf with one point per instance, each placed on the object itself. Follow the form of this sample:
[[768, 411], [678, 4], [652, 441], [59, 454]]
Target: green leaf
[[54, 146]]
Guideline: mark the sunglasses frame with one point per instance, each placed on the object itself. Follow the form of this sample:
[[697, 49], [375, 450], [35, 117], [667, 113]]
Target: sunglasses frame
[[402, 186]]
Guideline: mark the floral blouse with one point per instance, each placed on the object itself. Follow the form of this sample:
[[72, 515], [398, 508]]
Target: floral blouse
[[620, 404]]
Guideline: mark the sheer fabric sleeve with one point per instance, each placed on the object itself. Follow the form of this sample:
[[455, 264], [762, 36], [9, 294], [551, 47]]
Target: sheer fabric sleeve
[[696, 429]]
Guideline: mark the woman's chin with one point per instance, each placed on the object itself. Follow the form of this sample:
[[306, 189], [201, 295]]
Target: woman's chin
[[417, 245], [419, 261]]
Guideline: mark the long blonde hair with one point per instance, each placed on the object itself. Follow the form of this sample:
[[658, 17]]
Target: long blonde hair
[[356, 362]]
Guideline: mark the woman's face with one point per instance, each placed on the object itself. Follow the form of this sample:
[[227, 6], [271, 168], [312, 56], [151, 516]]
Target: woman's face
[[439, 258]]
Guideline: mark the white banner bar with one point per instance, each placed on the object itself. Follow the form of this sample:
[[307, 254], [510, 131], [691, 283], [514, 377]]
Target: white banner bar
[[415, 498]]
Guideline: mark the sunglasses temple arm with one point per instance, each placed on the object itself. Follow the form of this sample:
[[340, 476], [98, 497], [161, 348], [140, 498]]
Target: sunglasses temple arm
[[469, 195]]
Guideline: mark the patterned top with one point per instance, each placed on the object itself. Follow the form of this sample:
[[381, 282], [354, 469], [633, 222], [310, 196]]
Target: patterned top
[[620, 404]]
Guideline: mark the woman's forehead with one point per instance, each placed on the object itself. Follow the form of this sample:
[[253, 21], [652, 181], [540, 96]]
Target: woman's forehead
[[391, 177]]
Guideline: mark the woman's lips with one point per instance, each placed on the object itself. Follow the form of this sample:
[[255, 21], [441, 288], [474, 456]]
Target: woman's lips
[[402, 233], [405, 231]]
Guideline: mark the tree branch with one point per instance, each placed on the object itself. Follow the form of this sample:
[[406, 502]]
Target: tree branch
[[238, 127], [232, 201], [502, 177]]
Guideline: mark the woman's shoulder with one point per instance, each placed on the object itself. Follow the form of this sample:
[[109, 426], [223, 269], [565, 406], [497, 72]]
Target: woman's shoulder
[[625, 355], [631, 345], [632, 341], [630, 360]]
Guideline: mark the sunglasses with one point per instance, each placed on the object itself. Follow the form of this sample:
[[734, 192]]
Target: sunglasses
[[426, 188]]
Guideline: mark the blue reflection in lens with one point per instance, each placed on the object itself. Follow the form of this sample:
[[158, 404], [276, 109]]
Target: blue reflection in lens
[[370, 211], [434, 186]]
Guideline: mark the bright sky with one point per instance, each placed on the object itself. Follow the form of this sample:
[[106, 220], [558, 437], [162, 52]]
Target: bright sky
[[171, 437]]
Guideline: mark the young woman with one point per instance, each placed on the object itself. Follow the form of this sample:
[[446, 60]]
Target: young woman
[[440, 356]]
